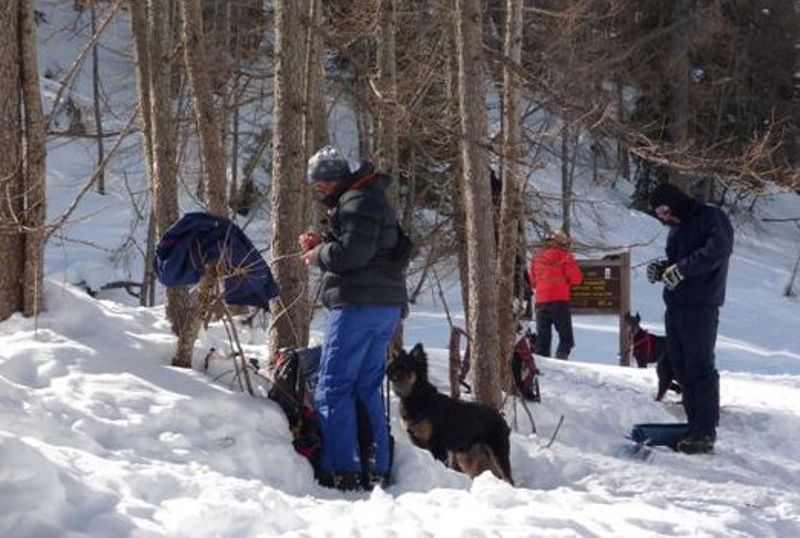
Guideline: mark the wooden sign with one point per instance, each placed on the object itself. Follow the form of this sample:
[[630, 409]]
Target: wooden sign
[[600, 292], [606, 289]]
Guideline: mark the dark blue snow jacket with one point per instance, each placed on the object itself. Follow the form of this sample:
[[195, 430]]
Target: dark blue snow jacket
[[199, 238], [701, 246]]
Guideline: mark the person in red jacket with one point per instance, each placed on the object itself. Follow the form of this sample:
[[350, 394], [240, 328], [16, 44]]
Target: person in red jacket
[[553, 272]]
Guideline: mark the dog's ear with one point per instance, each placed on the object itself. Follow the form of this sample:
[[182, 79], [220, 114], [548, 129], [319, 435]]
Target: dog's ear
[[395, 352], [418, 353], [637, 318]]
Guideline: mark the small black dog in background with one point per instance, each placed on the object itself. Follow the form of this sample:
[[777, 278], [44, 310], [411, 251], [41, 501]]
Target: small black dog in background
[[648, 348], [471, 437]]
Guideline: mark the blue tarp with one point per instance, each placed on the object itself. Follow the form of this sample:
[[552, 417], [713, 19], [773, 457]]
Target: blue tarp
[[659, 434], [199, 238]]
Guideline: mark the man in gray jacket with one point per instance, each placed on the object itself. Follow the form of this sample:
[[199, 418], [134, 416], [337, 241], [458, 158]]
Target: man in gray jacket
[[363, 287]]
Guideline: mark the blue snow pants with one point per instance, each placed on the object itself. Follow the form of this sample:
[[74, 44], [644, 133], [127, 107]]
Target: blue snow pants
[[691, 338], [352, 368]]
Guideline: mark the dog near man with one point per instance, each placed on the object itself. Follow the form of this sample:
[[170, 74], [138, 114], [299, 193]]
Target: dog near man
[[470, 436]]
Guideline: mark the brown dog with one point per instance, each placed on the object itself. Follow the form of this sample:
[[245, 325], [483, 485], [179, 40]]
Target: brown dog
[[471, 437]]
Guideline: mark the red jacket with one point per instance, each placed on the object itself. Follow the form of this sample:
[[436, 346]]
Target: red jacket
[[553, 272]]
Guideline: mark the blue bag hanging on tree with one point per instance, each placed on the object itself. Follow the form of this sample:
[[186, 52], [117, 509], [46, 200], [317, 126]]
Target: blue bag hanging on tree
[[199, 238]]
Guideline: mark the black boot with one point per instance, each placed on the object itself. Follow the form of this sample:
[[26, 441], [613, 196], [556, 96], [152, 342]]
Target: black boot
[[341, 481], [371, 480], [696, 445]]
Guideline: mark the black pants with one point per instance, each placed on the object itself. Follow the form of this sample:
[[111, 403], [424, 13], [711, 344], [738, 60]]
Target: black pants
[[691, 338], [547, 315]]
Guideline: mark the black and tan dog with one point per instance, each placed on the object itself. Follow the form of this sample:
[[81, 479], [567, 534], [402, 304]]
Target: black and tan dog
[[469, 436], [648, 348]]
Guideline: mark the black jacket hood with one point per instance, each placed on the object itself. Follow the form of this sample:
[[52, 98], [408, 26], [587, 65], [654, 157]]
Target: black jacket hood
[[680, 203]]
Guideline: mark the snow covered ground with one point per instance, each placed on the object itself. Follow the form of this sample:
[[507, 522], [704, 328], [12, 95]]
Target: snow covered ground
[[100, 437]]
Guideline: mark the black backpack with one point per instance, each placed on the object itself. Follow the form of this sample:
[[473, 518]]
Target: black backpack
[[294, 373]]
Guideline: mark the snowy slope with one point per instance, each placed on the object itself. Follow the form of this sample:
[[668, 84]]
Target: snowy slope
[[99, 437]]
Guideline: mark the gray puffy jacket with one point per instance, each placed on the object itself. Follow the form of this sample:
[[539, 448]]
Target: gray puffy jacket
[[355, 259]]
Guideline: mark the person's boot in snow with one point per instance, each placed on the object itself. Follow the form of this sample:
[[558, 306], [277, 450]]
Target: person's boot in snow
[[341, 481], [372, 480], [696, 445]]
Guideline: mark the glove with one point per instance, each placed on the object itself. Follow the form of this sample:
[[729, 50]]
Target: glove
[[655, 271], [309, 240], [672, 277]]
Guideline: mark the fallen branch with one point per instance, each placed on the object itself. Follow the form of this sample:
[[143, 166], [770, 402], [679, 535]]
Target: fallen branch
[[555, 432]]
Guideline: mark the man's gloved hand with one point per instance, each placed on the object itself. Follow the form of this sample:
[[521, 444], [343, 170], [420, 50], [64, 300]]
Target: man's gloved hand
[[672, 277], [655, 270], [309, 240]]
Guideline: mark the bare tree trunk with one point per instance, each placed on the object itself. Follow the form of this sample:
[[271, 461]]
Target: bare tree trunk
[[623, 168], [211, 155], [35, 155], [387, 86], [510, 205], [187, 323], [457, 181], [233, 188], [22, 164], [315, 132], [566, 178], [288, 177], [164, 139], [147, 297], [480, 222], [98, 118], [315, 120], [361, 103], [12, 242], [152, 42], [141, 44]]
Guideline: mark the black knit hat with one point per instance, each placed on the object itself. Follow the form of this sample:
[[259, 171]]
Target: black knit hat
[[327, 164], [671, 196]]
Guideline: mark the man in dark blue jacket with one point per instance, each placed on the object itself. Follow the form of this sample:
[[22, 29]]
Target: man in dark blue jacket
[[363, 287], [694, 274]]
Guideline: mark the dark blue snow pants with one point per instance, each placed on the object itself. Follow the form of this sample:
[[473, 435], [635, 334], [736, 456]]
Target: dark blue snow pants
[[548, 315], [691, 337], [352, 368]]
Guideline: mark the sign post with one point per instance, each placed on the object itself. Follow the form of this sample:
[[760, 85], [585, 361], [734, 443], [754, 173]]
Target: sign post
[[606, 289]]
